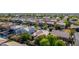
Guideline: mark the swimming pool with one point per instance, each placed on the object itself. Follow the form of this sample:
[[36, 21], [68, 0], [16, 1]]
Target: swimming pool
[[3, 36]]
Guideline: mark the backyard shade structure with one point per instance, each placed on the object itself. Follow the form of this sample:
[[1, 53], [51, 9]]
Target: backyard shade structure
[[3, 40], [65, 36], [40, 32], [12, 43], [76, 38]]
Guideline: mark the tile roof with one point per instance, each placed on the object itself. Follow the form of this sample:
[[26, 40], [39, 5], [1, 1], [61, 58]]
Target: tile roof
[[61, 34], [3, 40], [76, 35], [50, 23], [41, 32]]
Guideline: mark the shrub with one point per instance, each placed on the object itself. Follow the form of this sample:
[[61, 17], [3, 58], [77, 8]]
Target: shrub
[[49, 40], [44, 42], [26, 36], [60, 43], [37, 39]]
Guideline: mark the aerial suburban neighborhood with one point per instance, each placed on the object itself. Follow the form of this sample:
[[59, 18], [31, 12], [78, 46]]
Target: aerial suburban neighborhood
[[39, 29]]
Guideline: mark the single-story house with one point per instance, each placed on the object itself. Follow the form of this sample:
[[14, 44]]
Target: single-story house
[[18, 29], [76, 38], [18, 20], [47, 19], [31, 21], [30, 29], [40, 32], [65, 17], [51, 22], [75, 27], [73, 21], [58, 18], [4, 28], [14, 37], [40, 21], [5, 25], [12, 43], [61, 34], [61, 24], [3, 40]]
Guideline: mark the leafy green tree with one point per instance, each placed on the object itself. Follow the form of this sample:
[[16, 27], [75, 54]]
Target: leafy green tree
[[60, 43], [36, 26], [37, 39], [41, 37], [26, 36], [52, 39], [67, 23], [45, 26], [61, 16], [49, 40], [72, 16], [51, 17], [44, 42]]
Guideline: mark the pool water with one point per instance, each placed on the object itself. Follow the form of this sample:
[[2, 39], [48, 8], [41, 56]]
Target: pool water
[[3, 36]]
